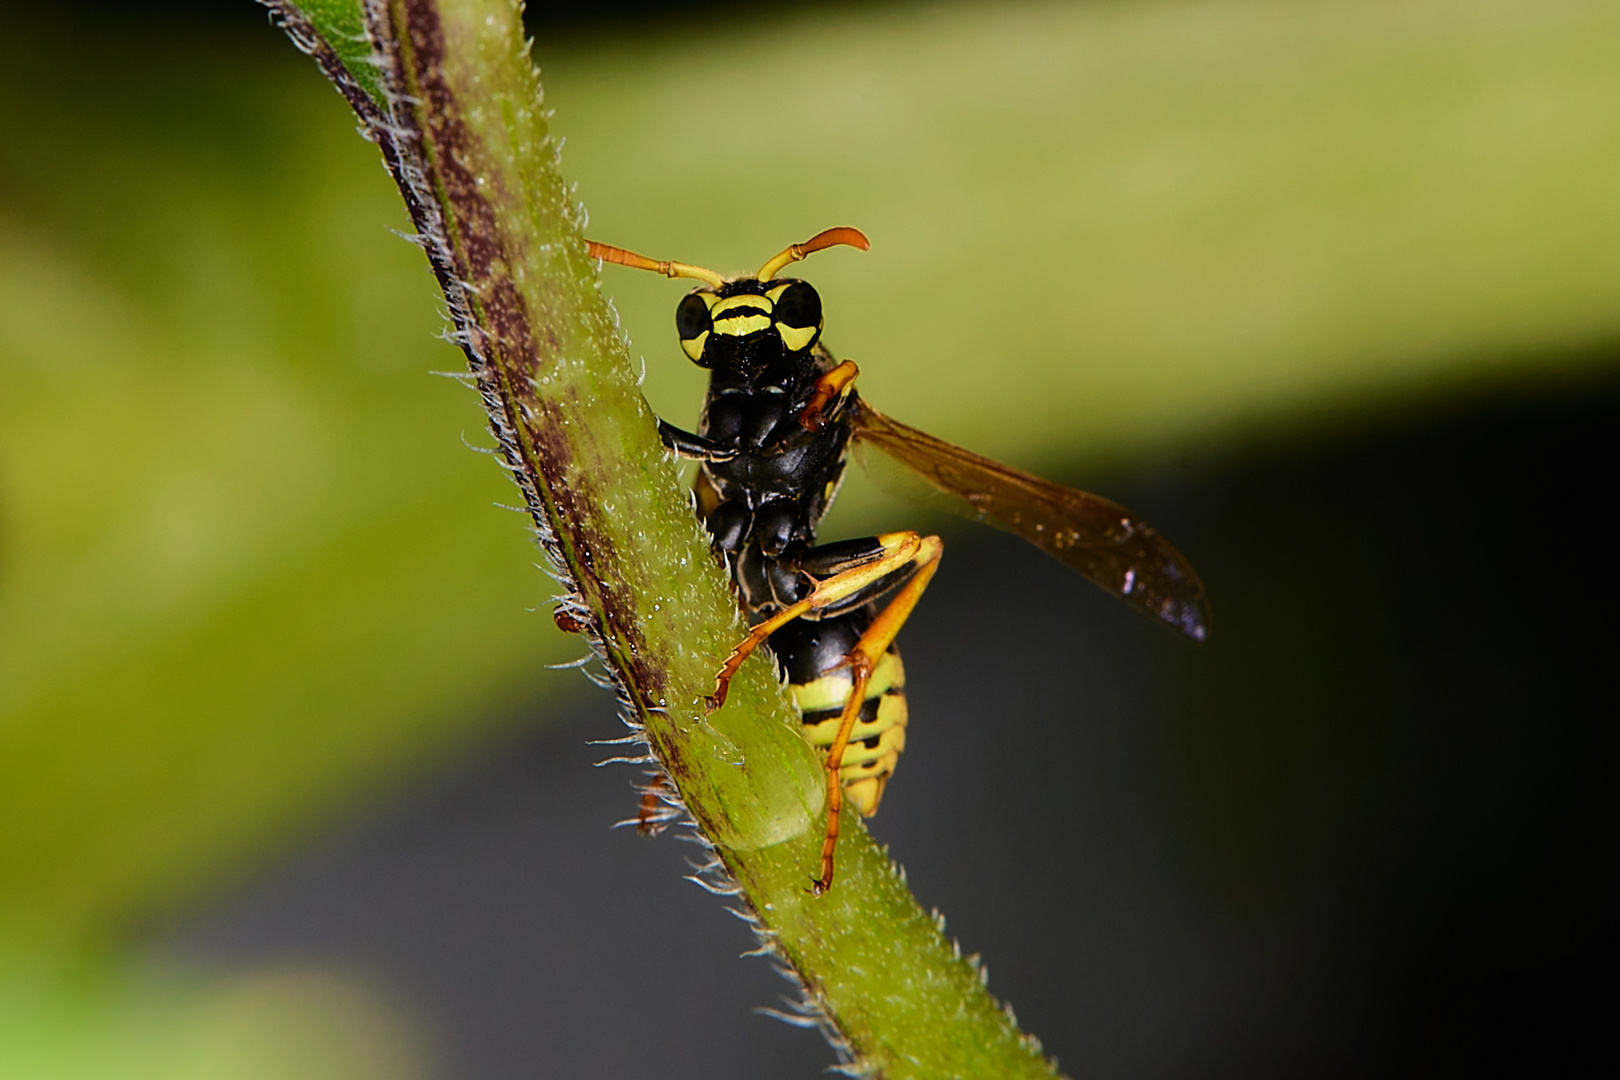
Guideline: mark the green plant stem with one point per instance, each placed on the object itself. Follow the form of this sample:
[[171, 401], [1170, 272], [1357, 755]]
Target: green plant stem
[[450, 95]]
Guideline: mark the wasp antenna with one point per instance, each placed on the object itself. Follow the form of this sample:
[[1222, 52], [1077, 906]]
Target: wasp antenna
[[843, 234], [609, 253]]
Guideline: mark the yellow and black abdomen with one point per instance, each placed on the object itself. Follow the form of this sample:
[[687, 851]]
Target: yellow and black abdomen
[[811, 652]]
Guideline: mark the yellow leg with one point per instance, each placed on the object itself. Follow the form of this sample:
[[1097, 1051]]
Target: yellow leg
[[830, 387], [898, 549], [861, 660]]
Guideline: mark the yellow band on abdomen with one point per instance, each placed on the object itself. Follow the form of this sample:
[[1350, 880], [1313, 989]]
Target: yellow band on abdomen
[[878, 737]]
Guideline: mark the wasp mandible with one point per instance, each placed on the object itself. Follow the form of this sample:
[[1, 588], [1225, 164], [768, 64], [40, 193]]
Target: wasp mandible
[[778, 422]]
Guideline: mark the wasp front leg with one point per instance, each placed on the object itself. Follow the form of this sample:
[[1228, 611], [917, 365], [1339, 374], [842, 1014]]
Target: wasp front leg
[[692, 447], [828, 396]]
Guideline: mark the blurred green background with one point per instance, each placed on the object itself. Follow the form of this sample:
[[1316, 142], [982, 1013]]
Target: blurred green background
[[250, 578]]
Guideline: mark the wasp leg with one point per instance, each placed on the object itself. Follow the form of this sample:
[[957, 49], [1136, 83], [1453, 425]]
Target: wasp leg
[[832, 387], [567, 621], [857, 578], [696, 447], [861, 660], [655, 811]]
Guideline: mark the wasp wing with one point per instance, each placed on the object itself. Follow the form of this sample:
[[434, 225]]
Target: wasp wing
[[1099, 538]]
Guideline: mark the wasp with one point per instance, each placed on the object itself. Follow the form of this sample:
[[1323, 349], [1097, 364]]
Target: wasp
[[777, 426]]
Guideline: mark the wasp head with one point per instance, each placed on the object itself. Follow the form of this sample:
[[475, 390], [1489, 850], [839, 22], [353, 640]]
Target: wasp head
[[748, 324], [744, 324]]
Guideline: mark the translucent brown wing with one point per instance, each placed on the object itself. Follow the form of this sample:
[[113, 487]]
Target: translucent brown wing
[[1101, 539]]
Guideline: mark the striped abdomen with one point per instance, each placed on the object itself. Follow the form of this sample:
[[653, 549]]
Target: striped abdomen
[[811, 651]]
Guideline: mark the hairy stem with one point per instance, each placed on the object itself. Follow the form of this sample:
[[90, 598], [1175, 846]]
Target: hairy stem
[[447, 90]]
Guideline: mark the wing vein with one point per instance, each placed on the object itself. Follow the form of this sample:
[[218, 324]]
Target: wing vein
[[1105, 542]]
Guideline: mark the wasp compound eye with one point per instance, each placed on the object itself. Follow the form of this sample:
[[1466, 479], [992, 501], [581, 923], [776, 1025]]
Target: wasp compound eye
[[693, 323], [798, 315], [799, 306], [692, 317]]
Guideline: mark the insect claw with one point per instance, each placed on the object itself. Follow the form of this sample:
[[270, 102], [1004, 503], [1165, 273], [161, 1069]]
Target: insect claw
[[722, 679], [855, 661]]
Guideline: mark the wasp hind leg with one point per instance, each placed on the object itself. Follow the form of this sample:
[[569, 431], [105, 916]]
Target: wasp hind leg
[[847, 575], [862, 659], [860, 572]]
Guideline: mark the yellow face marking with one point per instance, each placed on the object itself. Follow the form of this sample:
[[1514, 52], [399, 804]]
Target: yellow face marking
[[796, 337], [741, 325], [746, 300], [694, 346], [749, 319]]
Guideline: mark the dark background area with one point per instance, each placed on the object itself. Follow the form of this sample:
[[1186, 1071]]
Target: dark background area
[[1365, 831]]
